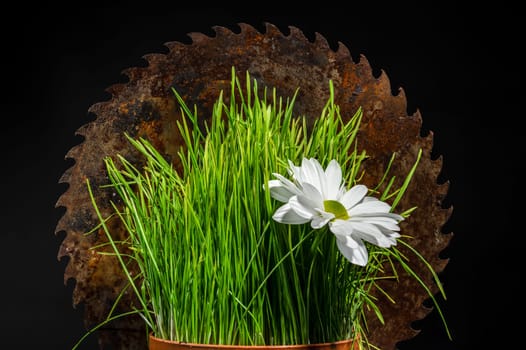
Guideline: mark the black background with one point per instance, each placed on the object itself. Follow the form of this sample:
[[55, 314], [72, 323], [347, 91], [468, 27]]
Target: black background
[[57, 61]]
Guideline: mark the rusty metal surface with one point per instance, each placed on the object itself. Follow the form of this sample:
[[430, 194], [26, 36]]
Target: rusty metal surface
[[144, 106]]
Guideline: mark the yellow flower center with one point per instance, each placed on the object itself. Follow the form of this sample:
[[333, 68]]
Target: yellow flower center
[[336, 208]]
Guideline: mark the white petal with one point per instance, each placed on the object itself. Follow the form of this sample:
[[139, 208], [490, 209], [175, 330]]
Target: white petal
[[286, 215], [380, 216], [371, 234], [356, 254], [278, 191], [286, 182], [295, 171], [333, 175], [309, 173], [341, 229], [393, 235], [320, 220], [353, 196], [312, 197], [369, 207], [392, 238], [385, 222], [322, 178], [302, 207]]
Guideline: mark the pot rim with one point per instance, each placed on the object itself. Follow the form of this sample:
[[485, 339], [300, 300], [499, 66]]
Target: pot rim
[[332, 345]]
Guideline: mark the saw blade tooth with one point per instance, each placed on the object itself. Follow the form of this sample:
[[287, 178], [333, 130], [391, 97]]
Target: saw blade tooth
[[271, 29], [416, 115], [64, 179], [385, 83], [297, 34], [321, 41], [115, 89], [154, 58], [222, 31], [198, 37], [74, 152], [81, 131], [400, 93], [343, 51], [174, 45], [96, 109], [62, 225], [364, 65], [247, 29], [133, 73]]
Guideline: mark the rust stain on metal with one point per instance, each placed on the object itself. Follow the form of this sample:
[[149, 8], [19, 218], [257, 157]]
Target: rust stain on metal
[[145, 107]]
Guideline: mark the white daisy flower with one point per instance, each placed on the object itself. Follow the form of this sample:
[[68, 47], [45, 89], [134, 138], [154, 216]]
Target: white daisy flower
[[320, 197]]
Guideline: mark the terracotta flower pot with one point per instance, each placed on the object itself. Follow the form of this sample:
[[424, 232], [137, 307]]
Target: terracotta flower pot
[[162, 344]]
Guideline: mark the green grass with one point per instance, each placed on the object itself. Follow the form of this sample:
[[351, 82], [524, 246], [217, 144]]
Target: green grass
[[214, 267]]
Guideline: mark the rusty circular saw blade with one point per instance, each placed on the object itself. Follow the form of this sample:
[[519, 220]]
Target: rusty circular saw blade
[[145, 106]]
